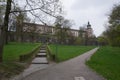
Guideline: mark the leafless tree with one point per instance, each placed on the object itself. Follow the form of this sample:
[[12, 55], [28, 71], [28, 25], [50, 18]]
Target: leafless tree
[[40, 9]]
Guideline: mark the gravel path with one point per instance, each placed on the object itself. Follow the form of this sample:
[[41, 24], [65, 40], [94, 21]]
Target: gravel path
[[74, 69]]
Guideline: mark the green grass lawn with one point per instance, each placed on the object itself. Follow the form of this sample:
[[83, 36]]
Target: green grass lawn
[[106, 62], [65, 52], [12, 51]]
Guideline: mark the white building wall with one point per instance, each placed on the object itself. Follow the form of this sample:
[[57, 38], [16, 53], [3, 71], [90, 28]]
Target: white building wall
[[46, 29]]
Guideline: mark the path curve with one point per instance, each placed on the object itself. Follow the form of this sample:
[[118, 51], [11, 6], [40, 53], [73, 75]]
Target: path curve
[[68, 70]]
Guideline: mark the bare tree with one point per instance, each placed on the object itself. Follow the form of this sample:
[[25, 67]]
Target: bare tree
[[62, 29], [4, 28], [40, 9]]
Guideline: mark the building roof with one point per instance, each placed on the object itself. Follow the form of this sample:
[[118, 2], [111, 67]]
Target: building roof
[[88, 25], [34, 24]]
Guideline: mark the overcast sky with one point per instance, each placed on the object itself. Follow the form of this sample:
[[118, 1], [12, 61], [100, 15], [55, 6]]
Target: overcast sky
[[95, 11]]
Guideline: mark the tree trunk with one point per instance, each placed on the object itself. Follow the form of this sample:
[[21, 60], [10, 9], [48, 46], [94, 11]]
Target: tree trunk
[[6, 20], [18, 33], [4, 29], [1, 43]]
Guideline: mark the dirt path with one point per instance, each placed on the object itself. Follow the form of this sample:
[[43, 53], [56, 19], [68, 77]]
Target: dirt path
[[74, 69]]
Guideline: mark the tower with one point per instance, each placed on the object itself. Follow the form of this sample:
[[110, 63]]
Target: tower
[[88, 25], [89, 30]]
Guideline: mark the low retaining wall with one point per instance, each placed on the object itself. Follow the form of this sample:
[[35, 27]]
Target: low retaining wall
[[26, 57]]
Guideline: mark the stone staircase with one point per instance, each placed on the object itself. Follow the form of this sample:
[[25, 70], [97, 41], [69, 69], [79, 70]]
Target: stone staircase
[[41, 57], [39, 62]]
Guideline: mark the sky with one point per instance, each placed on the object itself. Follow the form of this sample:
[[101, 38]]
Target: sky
[[94, 11]]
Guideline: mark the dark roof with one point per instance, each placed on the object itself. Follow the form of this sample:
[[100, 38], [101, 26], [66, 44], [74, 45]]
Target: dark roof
[[74, 29], [34, 24], [88, 25]]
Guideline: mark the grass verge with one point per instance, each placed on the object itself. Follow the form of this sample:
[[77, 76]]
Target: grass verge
[[9, 69], [12, 52], [106, 61], [65, 52]]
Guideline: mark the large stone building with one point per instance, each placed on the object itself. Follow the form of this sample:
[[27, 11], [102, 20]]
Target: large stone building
[[44, 29], [43, 33], [37, 28]]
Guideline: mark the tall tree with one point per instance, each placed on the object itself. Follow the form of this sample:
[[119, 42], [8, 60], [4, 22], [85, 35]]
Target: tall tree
[[102, 40], [113, 30], [20, 19], [62, 29], [47, 7], [82, 35], [2, 12], [4, 28]]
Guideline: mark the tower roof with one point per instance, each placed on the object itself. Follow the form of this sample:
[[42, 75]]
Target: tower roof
[[88, 25]]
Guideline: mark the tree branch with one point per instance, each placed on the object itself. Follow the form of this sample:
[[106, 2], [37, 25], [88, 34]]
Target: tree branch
[[34, 10]]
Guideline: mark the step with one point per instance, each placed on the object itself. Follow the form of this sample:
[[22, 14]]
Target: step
[[42, 48], [41, 55], [43, 45], [40, 61], [41, 51]]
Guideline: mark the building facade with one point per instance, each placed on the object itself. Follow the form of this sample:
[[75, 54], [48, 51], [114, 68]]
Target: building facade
[[31, 32], [89, 30], [45, 29], [45, 32]]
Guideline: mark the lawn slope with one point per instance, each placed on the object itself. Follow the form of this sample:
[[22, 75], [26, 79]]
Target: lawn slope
[[10, 65], [65, 52], [106, 61], [12, 51]]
